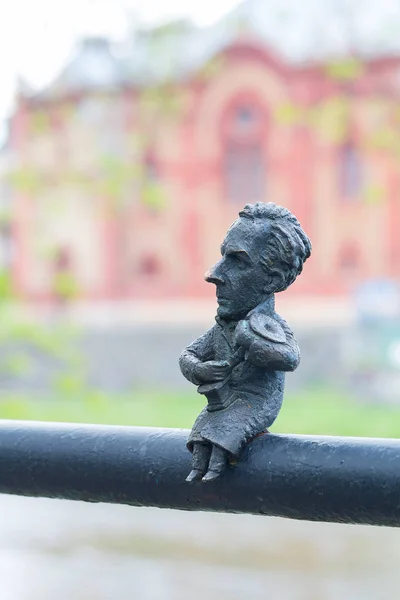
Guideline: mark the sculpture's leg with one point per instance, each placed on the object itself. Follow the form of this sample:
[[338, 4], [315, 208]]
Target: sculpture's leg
[[200, 460], [218, 462]]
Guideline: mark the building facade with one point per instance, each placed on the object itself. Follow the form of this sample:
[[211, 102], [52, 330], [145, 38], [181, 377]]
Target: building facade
[[123, 188]]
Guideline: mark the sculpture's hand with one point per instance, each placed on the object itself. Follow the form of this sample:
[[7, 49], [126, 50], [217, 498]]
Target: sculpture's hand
[[213, 370]]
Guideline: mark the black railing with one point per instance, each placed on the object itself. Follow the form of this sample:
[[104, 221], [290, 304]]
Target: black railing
[[348, 480]]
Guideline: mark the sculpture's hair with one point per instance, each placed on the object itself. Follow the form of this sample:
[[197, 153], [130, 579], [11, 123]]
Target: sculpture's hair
[[287, 248]]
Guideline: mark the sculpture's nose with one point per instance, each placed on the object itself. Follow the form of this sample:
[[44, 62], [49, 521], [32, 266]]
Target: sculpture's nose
[[214, 275]]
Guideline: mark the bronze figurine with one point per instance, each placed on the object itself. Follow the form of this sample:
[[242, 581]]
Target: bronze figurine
[[239, 364]]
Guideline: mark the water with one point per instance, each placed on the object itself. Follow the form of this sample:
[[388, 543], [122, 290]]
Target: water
[[63, 550]]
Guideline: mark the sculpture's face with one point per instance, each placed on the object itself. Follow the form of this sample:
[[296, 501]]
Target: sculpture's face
[[241, 280]]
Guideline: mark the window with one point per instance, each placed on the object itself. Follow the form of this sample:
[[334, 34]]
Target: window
[[62, 260], [91, 111], [153, 192], [243, 122], [149, 266], [6, 246], [244, 173], [151, 171], [244, 168], [350, 262], [245, 116], [350, 171], [101, 121]]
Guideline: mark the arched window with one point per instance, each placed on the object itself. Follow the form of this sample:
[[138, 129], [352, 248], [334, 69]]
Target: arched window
[[153, 193], [151, 170], [244, 164], [62, 259], [6, 246], [349, 259], [350, 263], [149, 266], [64, 283], [350, 171]]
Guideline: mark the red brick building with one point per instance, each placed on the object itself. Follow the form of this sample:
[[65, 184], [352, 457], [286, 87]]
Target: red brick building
[[125, 178]]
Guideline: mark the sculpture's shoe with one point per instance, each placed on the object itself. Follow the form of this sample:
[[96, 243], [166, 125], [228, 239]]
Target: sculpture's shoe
[[211, 476], [194, 475]]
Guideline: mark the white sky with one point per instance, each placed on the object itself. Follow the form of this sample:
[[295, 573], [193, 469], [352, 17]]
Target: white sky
[[36, 35]]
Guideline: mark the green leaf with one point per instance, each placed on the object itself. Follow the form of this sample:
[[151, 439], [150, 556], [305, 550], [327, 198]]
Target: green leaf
[[212, 68], [153, 196], [6, 285], [17, 364], [331, 119], [40, 121], [69, 383], [374, 194], [385, 139], [25, 180], [65, 286], [288, 114], [345, 70]]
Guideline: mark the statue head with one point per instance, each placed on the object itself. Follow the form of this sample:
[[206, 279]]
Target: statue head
[[263, 252]]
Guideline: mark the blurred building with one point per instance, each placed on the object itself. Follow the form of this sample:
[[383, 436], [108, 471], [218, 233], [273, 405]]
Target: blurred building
[[128, 168]]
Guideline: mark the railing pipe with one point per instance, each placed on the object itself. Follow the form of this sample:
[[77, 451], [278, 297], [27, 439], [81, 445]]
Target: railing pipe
[[348, 480]]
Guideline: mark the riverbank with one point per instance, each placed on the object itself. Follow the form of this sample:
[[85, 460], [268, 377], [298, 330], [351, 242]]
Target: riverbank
[[320, 410]]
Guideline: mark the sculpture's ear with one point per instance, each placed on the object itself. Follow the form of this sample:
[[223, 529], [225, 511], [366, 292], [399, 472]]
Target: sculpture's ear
[[275, 281]]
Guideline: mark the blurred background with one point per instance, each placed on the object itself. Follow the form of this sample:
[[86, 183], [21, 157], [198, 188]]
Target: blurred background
[[132, 133]]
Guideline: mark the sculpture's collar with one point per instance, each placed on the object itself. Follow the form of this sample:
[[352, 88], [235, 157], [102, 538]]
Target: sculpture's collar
[[266, 308]]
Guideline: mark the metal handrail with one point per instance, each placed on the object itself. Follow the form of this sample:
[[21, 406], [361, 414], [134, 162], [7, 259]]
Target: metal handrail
[[348, 480]]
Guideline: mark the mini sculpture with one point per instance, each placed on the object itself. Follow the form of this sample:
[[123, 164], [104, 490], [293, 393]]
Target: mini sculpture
[[239, 364]]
